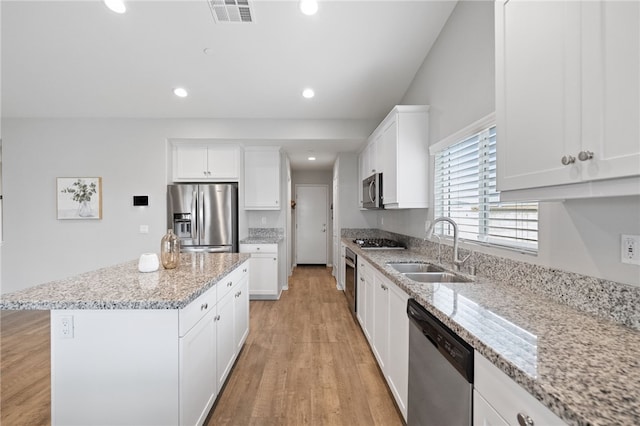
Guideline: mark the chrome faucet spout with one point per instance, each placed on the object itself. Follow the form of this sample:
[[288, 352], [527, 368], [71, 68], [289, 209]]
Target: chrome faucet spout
[[457, 263]]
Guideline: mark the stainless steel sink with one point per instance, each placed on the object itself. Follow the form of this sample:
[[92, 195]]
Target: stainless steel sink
[[435, 277], [415, 267]]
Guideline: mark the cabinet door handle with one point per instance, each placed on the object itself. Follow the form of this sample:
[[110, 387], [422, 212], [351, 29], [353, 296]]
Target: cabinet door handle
[[230, 284], [568, 159], [585, 155], [524, 420], [204, 306], [216, 318]]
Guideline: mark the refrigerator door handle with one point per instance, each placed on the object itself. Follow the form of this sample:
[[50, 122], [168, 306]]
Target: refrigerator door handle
[[194, 215], [201, 217]]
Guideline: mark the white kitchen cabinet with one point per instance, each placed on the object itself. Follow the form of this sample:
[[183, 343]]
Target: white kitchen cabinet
[[198, 388], [365, 270], [264, 270], [205, 162], [567, 111], [381, 312], [241, 312], [497, 397], [381, 320], [397, 372], [262, 178], [484, 414], [225, 337], [405, 156]]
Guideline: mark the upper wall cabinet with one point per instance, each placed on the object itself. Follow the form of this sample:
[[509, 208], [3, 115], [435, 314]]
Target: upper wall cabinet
[[205, 162], [398, 149], [567, 96], [405, 157], [262, 178]]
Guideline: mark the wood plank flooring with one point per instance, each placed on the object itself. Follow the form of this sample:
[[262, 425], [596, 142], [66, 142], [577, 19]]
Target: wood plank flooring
[[25, 368], [305, 362]]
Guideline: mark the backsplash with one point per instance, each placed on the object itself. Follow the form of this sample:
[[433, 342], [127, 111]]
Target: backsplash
[[606, 299]]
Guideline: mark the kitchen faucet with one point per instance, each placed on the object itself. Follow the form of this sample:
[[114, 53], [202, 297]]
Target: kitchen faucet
[[457, 263]]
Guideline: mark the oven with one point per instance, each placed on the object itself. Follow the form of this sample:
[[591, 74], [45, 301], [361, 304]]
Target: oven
[[350, 271]]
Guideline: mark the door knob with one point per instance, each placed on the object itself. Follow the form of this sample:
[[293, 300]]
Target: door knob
[[568, 159]]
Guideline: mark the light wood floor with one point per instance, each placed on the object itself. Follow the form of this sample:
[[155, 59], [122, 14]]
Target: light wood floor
[[25, 369], [305, 362]]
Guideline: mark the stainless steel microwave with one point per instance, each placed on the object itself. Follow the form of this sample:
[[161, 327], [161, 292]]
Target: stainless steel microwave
[[372, 192]]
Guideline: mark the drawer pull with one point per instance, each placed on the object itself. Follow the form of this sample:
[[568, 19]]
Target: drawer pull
[[230, 284], [524, 420], [204, 306]]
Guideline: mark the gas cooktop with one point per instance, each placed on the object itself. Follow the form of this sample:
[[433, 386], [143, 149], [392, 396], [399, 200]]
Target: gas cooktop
[[378, 243]]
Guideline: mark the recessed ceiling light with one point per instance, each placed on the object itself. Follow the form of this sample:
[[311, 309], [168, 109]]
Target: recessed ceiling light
[[116, 6], [308, 93], [311, 158], [180, 92], [309, 7]]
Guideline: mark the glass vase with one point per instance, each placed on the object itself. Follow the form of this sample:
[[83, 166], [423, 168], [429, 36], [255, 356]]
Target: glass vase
[[170, 250]]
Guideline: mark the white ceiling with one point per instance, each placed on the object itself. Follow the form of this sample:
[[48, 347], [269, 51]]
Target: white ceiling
[[78, 59]]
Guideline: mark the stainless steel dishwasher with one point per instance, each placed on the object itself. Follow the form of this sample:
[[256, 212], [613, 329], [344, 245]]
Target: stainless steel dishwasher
[[440, 372]]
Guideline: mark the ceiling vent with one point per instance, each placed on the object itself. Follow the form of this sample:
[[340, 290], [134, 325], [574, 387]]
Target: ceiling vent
[[231, 10]]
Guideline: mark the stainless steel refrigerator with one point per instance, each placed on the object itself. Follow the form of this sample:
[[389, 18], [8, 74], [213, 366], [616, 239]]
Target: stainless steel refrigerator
[[204, 216]]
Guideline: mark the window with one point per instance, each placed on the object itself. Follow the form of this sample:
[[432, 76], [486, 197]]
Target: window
[[465, 191]]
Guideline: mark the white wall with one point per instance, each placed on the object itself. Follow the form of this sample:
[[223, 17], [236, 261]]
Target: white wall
[[130, 155], [457, 81]]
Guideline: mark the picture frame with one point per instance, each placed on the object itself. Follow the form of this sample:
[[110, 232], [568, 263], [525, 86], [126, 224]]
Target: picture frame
[[79, 198]]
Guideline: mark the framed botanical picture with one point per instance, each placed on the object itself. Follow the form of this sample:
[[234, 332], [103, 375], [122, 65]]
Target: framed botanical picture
[[79, 197]]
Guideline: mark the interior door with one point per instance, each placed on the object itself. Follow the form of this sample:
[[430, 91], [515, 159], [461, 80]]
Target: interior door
[[311, 224]]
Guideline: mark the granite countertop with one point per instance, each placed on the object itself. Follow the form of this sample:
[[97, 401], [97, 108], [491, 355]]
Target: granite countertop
[[262, 240], [583, 368], [123, 287]]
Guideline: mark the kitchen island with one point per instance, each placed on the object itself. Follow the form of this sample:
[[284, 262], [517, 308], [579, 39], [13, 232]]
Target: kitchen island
[[143, 348], [582, 368]]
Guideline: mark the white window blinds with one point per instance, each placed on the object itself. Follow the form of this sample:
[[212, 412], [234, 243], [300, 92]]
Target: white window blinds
[[465, 191]]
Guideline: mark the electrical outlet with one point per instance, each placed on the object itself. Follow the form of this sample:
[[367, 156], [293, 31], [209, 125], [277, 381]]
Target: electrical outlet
[[66, 327], [264, 220], [630, 249]]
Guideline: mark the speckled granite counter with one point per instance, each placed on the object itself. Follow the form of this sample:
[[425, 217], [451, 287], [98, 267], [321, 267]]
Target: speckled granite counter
[[123, 287], [264, 236], [261, 240], [583, 368]]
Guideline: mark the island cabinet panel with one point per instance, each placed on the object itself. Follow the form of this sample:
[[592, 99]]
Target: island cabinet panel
[[148, 366], [198, 386], [241, 312], [115, 367], [225, 344]]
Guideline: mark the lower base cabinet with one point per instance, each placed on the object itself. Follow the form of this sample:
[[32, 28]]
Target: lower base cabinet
[[264, 264], [198, 386], [149, 367], [382, 305], [498, 400]]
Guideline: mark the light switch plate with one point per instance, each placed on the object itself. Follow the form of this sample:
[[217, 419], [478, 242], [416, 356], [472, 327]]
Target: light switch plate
[[630, 249]]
